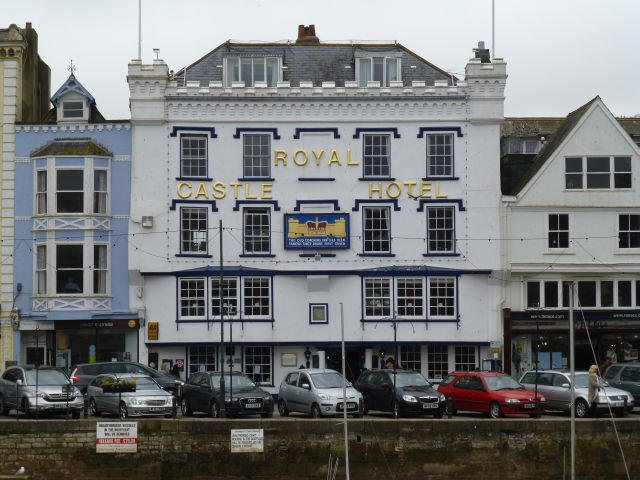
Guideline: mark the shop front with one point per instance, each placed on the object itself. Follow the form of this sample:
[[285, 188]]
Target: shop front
[[89, 341], [545, 334]]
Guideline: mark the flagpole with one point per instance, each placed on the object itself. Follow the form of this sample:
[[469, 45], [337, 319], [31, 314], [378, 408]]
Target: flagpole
[[139, 29]]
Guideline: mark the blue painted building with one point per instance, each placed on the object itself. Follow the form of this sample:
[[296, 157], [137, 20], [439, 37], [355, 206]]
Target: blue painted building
[[73, 177]]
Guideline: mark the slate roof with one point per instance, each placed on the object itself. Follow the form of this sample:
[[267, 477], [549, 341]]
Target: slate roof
[[73, 147], [312, 62], [517, 169]]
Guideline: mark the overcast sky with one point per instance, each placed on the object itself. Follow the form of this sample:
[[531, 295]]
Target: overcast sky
[[559, 53]]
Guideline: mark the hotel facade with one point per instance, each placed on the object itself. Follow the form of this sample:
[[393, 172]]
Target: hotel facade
[[327, 179]]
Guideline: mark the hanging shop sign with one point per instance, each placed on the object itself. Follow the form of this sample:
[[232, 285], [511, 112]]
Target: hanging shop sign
[[316, 230], [152, 331], [99, 324]]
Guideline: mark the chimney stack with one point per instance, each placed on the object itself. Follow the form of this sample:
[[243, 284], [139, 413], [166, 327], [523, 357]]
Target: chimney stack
[[482, 53], [28, 26], [307, 34]]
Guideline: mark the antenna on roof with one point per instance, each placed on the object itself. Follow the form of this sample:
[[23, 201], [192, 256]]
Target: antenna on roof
[[140, 30]]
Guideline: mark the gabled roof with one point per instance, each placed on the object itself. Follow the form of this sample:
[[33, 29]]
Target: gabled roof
[[72, 85], [72, 147]]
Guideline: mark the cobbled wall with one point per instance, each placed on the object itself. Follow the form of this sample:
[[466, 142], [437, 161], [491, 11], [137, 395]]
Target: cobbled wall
[[297, 449]]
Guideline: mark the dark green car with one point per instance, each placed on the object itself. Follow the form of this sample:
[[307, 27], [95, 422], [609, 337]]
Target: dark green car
[[625, 376]]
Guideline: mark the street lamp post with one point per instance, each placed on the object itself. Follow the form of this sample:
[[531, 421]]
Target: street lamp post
[[222, 386], [230, 311]]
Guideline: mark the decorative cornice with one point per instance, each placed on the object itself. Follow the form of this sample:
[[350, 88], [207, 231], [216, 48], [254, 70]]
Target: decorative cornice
[[122, 158], [22, 160], [74, 127]]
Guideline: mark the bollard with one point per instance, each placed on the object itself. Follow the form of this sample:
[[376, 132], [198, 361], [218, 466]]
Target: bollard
[[85, 407], [174, 407], [449, 407]]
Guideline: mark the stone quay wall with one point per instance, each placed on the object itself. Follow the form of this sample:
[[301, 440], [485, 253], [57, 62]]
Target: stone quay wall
[[300, 448]]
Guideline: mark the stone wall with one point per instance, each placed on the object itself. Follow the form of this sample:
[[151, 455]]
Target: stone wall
[[296, 449]]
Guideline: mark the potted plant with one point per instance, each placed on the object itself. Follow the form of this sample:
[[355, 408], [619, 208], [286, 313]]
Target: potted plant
[[118, 385]]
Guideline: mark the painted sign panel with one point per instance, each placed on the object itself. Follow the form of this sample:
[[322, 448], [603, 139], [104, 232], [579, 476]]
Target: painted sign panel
[[116, 437], [152, 330], [316, 230], [247, 440]]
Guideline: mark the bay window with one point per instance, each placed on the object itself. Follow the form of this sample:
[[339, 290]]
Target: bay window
[[70, 191], [69, 269]]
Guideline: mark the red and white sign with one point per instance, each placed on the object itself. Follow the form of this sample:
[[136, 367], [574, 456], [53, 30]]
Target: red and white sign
[[116, 437]]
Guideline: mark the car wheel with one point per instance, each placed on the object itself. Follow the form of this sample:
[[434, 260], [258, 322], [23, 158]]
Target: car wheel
[[185, 408], [75, 414], [282, 409], [582, 409], [93, 408], [494, 410], [449, 408], [3, 408], [123, 413], [214, 410], [315, 411], [365, 408]]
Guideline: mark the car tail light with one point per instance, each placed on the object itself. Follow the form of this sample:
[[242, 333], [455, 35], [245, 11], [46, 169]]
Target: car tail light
[[74, 379]]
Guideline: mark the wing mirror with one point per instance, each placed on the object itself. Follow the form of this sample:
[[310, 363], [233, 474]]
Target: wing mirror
[[19, 382], [306, 386], [566, 385]]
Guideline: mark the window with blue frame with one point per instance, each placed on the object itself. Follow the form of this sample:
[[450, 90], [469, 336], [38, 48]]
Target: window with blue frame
[[442, 297], [376, 223], [194, 231], [441, 232], [193, 155], [440, 155]]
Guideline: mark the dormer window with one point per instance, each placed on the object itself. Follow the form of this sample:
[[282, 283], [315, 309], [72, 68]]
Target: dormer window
[[72, 109], [251, 70], [378, 69]]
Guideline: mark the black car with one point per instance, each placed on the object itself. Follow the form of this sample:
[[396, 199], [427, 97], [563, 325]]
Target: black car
[[82, 374], [413, 394], [243, 397]]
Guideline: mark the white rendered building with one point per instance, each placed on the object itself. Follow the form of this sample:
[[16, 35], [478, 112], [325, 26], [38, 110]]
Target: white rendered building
[[344, 174]]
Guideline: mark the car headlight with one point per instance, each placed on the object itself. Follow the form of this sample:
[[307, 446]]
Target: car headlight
[[542, 399], [409, 398], [168, 401], [442, 398], [268, 399], [324, 396], [134, 401], [41, 395], [512, 400]]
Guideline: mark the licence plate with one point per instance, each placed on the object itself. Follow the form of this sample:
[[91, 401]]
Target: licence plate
[[350, 406], [156, 409], [253, 405], [529, 405], [429, 405]]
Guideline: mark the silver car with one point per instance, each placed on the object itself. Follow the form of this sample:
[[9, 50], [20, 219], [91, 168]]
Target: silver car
[[318, 392], [42, 390], [555, 385], [113, 394]]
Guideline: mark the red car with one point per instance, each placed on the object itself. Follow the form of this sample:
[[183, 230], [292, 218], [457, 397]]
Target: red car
[[494, 393]]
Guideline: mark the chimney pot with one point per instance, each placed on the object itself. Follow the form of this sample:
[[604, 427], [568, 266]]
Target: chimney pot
[[28, 26], [307, 34]]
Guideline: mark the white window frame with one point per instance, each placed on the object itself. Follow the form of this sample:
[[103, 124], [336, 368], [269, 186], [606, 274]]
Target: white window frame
[[83, 191], [584, 173], [403, 353], [436, 279], [371, 157], [226, 73], [325, 309], [628, 232], [227, 298], [200, 210], [269, 297], [436, 207], [245, 157], [558, 232], [440, 358], [41, 193], [73, 117], [251, 240], [467, 364], [198, 137], [246, 364], [105, 270], [429, 137], [422, 298], [366, 209], [199, 356], [41, 269], [204, 298], [383, 82], [382, 299], [84, 282], [104, 193]]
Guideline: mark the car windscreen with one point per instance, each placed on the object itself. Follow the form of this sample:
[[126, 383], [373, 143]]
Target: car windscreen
[[47, 376], [582, 380], [144, 383], [500, 382], [327, 380], [239, 381], [410, 379]]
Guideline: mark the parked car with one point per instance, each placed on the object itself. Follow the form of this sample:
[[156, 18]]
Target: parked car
[[625, 376], [201, 393], [110, 394], [494, 393], [555, 385], [413, 394], [42, 390], [83, 373], [317, 392]]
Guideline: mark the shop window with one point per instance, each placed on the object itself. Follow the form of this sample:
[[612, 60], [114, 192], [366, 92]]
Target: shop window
[[440, 155], [624, 293], [251, 70], [376, 229], [202, 358], [256, 158], [192, 298], [100, 192], [438, 361], [606, 293], [465, 358], [378, 69], [377, 297], [230, 294], [100, 269], [550, 294], [442, 297], [41, 270], [586, 294], [193, 156], [69, 269], [558, 235], [193, 230], [410, 357], [41, 192], [441, 230], [410, 297], [257, 230], [257, 364], [70, 191], [376, 156], [256, 296], [533, 295], [629, 231]]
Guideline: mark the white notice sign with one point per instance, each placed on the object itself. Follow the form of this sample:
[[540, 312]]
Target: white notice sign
[[116, 437], [247, 440]]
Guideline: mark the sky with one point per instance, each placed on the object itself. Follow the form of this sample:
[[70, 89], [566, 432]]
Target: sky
[[559, 53]]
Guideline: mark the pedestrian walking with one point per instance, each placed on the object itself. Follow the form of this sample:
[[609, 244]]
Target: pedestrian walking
[[605, 366], [595, 385]]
